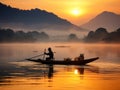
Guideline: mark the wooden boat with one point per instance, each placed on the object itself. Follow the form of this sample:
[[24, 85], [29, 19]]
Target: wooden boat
[[62, 62]]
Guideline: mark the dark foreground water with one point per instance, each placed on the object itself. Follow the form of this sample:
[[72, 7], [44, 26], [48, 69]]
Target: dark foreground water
[[18, 74]]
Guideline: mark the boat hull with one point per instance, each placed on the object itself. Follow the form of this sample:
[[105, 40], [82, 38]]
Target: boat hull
[[61, 62]]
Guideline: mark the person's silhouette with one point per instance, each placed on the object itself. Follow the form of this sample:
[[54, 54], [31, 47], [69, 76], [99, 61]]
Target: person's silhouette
[[50, 54]]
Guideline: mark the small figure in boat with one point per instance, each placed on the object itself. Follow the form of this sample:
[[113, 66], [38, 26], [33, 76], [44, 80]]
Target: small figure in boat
[[81, 57], [50, 54], [67, 59]]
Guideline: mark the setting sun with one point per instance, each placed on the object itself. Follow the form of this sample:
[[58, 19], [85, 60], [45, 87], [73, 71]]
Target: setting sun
[[76, 12]]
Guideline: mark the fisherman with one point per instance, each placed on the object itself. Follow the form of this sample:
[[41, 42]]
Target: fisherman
[[50, 54]]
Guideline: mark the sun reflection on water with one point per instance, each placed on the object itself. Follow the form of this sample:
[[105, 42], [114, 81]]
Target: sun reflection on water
[[75, 71]]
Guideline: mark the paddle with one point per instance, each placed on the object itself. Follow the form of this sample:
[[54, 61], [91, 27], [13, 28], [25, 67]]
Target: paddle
[[36, 56], [44, 54], [30, 57]]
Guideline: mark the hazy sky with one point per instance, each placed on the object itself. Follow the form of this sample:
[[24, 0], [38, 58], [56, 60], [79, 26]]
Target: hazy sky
[[76, 11]]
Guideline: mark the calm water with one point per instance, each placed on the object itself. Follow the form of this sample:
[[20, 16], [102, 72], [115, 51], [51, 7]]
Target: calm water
[[18, 74]]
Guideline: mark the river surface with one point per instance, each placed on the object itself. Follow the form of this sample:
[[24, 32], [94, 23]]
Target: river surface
[[16, 73]]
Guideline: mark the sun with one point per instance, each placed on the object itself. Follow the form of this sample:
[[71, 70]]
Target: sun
[[76, 12]]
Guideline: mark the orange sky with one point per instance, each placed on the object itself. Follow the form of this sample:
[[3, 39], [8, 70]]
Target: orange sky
[[76, 11]]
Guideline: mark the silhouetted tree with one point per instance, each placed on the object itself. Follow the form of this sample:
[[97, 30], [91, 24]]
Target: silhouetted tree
[[8, 35], [72, 37], [113, 36], [96, 36]]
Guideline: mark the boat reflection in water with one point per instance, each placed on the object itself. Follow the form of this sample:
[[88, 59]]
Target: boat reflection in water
[[16, 73], [80, 70]]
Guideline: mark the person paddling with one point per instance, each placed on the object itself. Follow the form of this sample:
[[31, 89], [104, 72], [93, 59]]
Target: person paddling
[[50, 54]]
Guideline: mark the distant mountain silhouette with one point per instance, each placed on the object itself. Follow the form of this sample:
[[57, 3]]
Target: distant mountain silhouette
[[108, 20], [34, 19]]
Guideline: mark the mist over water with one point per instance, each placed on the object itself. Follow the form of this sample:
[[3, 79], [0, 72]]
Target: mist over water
[[18, 51], [16, 72]]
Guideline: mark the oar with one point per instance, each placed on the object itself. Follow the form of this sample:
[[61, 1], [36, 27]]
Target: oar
[[35, 56], [30, 58], [44, 54]]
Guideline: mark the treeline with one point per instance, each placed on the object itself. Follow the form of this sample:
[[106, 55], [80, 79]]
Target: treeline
[[8, 35], [102, 35], [73, 37]]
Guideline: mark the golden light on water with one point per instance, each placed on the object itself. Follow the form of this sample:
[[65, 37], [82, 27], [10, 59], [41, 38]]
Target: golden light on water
[[33, 76], [75, 71]]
